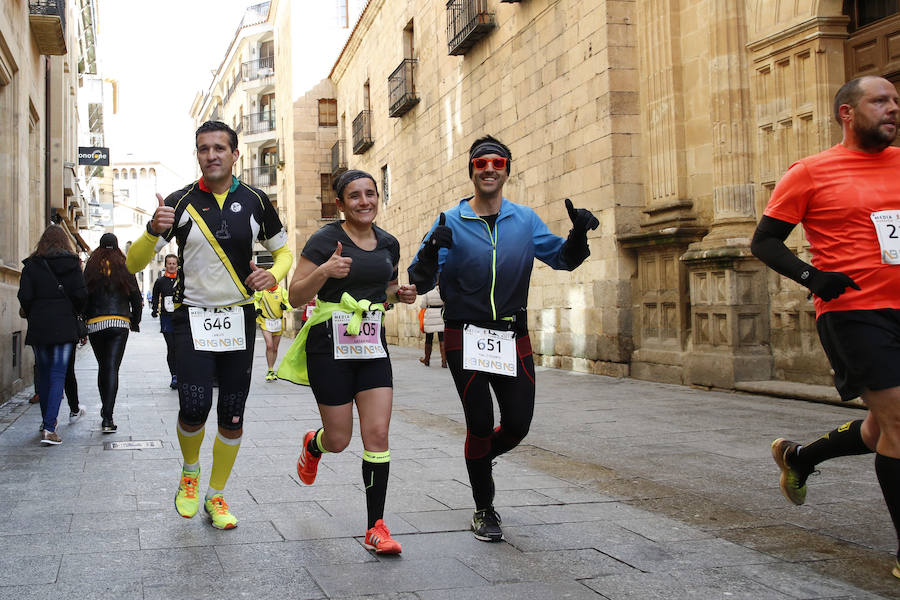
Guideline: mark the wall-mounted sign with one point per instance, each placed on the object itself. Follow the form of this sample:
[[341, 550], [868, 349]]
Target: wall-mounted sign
[[93, 155]]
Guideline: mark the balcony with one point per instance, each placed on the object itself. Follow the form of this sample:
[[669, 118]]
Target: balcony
[[260, 122], [338, 158], [48, 25], [262, 177], [362, 132], [467, 22], [258, 69], [230, 90], [402, 88]]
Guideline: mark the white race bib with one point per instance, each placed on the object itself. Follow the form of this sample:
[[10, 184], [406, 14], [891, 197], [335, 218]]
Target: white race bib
[[273, 325], [309, 310], [887, 226], [367, 344], [169, 303], [489, 350], [217, 329]]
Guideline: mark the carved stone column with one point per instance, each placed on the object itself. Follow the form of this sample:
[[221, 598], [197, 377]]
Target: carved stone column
[[729, 315]]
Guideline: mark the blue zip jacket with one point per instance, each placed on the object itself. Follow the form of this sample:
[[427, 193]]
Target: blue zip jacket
[[484, 276]]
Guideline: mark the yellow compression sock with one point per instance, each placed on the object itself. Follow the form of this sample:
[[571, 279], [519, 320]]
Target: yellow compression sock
[[190, 442], [225, 451]]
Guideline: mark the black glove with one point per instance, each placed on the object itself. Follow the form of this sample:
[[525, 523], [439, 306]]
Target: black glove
[[135, 327], [827, 285], [441, 237], [582, 219], [154, 314], [283, 306], [421, 274], [258, 312]]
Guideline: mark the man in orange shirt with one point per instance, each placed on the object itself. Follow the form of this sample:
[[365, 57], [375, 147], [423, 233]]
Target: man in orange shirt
[[848, 200]]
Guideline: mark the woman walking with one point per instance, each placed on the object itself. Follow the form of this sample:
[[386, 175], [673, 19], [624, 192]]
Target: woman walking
[[341, 352], [113, 307], [51, 294], [433, 323]]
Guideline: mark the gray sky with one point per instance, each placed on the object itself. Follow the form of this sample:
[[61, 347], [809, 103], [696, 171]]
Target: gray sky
[[161, 53]]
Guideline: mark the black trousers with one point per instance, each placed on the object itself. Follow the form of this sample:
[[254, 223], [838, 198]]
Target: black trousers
[[109, 348], [170, 350]]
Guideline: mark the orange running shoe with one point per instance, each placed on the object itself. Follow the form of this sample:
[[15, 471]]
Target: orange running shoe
[[379, 539], [307, 464]]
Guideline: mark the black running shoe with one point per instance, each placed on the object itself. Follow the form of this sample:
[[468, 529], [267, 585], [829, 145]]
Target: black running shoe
[[486, 525]]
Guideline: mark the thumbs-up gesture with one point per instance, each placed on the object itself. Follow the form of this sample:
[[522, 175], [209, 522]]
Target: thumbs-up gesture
[[582, 219], [163, 218], [259, 279], [442, 236], [337, 266]]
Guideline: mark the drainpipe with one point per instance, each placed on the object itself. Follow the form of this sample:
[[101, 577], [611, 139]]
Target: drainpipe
[[47, 186]]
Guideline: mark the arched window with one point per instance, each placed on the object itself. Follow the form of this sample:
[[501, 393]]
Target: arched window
[[143, 173], [115, 173], [133, 174]]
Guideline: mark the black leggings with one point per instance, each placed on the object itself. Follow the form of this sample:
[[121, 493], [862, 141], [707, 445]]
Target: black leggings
[[170, 350], [429, 337], [109, 348], [515, 399], [196, 370]]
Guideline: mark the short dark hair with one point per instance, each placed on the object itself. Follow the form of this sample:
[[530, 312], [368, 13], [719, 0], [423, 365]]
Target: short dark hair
[[218, 126], [168, 256], [849, 93]]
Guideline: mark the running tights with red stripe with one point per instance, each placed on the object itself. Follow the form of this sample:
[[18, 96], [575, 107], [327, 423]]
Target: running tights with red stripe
[[515, 399]]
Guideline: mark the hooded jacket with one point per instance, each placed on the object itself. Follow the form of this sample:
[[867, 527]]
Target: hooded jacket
[[50, 314]]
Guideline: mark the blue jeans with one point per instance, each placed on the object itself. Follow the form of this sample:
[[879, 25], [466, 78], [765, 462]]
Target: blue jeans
[[52, 362]]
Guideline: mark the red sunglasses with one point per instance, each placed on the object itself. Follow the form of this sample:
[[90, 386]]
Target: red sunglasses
[[480, 163]]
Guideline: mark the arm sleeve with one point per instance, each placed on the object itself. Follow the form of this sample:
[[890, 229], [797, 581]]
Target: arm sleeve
[[768, 246], [136, 305], [282, 260], [141, 252], [26, 290]]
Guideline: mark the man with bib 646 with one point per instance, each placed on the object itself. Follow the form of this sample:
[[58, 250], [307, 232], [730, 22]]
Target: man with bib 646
[[215, 222], [484, 249]]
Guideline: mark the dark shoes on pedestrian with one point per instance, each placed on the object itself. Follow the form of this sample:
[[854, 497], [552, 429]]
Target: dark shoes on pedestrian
[[486, 525], [50, 438], [174, 383], [108, 426], [34, 399]]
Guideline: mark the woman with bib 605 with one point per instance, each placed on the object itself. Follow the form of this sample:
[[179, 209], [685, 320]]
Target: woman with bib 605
[[341, 352]]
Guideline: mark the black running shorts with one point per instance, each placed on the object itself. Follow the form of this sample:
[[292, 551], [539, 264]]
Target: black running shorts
[[336, 382], [863, 347]]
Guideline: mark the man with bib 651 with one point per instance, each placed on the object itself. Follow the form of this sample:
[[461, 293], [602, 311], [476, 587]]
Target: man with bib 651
[[484, 249], [215, 222]]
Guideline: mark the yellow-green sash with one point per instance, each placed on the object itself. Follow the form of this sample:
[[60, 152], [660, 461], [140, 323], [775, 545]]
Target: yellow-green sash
[[293, 365]]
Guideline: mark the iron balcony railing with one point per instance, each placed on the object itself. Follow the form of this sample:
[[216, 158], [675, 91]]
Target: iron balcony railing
[[467, 22], [362, 132], [338, 158], [402, 89], [261, 177], [257, 69], [239, 127], [259, 122], [47, 19], [231, 88]]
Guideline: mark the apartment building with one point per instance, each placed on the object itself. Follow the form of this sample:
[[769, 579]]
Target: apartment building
[[41, 47]]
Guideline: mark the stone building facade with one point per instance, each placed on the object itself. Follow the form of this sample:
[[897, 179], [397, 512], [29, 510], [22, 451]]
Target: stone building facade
[[41, 44], [671, 120]]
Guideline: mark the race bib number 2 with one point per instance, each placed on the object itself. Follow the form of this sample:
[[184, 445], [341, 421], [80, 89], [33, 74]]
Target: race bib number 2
[[887, 227], [217, 329], [366, 344], [489, 351]]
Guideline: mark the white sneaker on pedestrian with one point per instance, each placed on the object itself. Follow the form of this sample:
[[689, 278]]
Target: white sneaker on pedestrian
[[75, 415]]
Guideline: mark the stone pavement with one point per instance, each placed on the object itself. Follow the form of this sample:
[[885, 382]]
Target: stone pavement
[[623, 490]]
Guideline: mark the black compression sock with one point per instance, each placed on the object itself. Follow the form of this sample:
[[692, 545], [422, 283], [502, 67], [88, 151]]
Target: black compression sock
[[846, 440], [482, 481], [375, 469], [312, 446], [888, 471]]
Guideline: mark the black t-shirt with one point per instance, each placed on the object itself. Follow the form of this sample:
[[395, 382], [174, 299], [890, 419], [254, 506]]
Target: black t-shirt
[[370, 272]]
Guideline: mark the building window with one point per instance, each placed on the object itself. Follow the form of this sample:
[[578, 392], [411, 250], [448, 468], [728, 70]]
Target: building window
[[385, 185], [329, 206], [327, 112], [866, 12], [343, 14]]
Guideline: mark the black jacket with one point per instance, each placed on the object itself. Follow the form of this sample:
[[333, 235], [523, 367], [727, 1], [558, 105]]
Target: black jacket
[[108, 300], [50, 314], [164, 286]]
